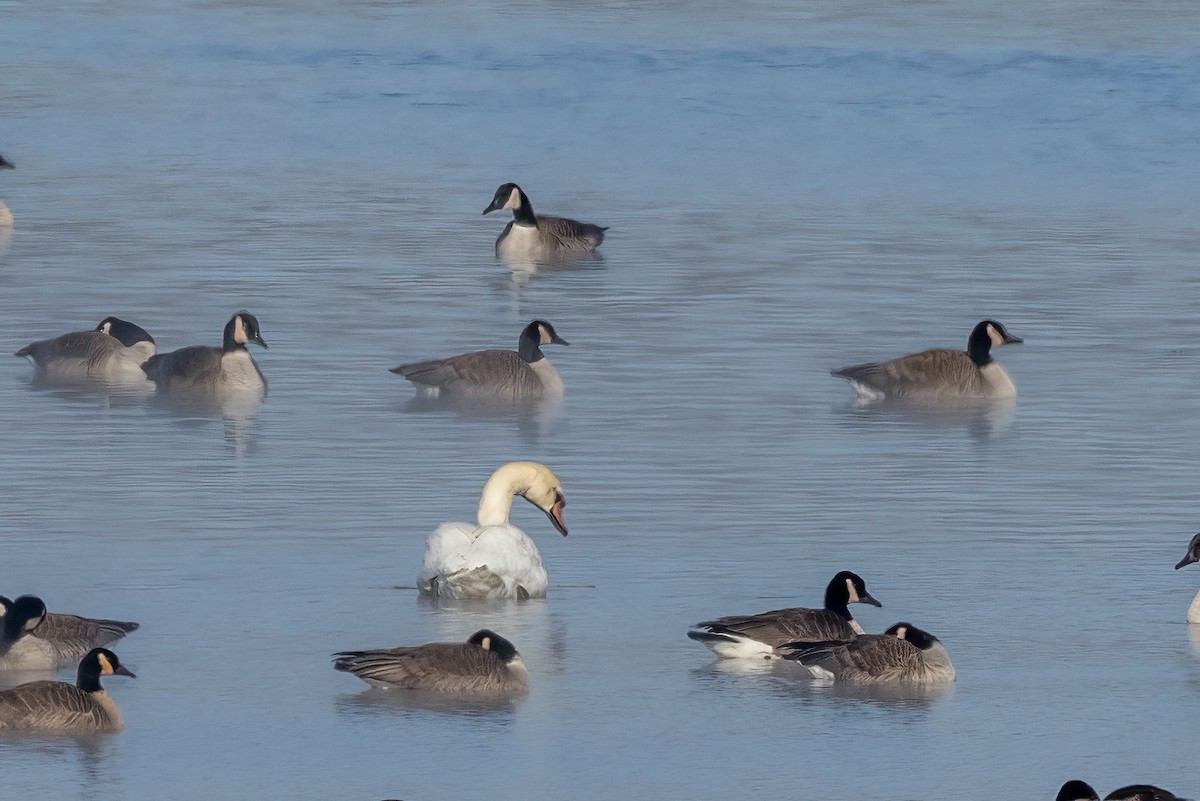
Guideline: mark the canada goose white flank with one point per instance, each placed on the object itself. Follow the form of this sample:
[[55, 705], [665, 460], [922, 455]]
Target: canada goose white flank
[[904, 654], [113, 351], [58, 706], [485, 664], [494, 558], [6, 218], [539, 237], [758, 636], [523, 374], [208, 370], [1192, 555], [940, 373], [33, 639]]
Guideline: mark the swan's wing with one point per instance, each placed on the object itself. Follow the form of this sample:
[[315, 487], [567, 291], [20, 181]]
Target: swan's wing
[[448, 550]]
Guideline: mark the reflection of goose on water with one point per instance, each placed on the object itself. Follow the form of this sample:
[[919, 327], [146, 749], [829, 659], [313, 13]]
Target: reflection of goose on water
[[940, 373], [494, 558]]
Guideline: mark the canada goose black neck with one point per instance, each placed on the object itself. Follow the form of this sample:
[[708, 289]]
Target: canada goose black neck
[[17, 616], [979, 344], [124, 331], [1076, 790], [837, 599], [523, 213], [241, 330], [491, 641], [529, 345], [5, 164], [918, 637]]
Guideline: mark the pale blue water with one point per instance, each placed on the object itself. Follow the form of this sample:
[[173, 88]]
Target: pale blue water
[[789, 189]]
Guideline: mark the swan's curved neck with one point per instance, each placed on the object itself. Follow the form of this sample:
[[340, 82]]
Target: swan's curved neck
[[496, 501]]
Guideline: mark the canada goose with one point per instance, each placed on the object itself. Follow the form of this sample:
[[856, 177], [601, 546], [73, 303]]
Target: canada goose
[[113, 350], [940, 373], [206, 370], [33, 639], [523, 374], [758, 636], [57, 706], [904, 654], [494, 559], [539, 237], [1141, 792], [6, 218], [1192, 555], [485, 664], [1076, 790]]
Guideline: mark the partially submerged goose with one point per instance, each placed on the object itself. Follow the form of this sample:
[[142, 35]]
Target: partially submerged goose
[[940, 373], [113, 351], [904, 654], [57, 706], [33, 639], [494, 558], [206, 371], [758, 636], [1192, 555], [1076, 790], [6, 218], [523, 374], [486, 664], [540, 237]]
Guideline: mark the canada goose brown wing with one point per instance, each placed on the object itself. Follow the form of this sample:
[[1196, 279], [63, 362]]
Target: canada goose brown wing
[[195, 364], [87, 346], [51, 705], [781, 626], [92, 632], [881, 655], [571, 234], [939, 369], [437, 666], [502, 371]]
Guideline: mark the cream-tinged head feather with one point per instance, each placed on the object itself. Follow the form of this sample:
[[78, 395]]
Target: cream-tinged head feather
[[530, 480]]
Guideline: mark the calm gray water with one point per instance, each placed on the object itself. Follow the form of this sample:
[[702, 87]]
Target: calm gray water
[[790, 187]]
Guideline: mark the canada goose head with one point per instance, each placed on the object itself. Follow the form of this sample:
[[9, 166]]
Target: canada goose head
[[534, 335], [1076, 790], [918, 637], [1193, 553], [508, 196], [530, 480], [241, 330], [99, 662], [125, 331], [21, 616], [984, 337], [489, 640], [847, 588], [1141, 792]]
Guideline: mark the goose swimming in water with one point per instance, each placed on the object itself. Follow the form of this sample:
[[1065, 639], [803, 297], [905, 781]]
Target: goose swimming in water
[[540, 237], [205, 370], [940, 373], [904, 654], [33, 639], [523, 374], [1076, 790], [494, 558], [485, 664], [57, 706], [1192, 555], [758, 636], [112, 351]]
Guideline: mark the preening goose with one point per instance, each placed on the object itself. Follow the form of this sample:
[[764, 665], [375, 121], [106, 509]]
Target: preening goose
[[207, 371], [57, 706], [940, 373], [523, 374], [540, 237], [112, 351], [757, 636], [486, 664], [1192, 555], [494, 558], [34, 639], [904, 654], [1076, 790]]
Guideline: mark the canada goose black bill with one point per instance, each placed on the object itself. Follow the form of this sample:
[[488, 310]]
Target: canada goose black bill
[[758, 636], [903, 655], [501, 375], [209, 370], [939, 373], [52, 640], [1193, 553], [540, 237], [485, 664], [58, 706]]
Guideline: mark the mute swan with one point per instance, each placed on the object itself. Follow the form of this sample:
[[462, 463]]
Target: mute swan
[[757, 636], [210, 370], [904, 654], [494, 559], [940, 373], [57, 706], [539, 237], [485, 664]]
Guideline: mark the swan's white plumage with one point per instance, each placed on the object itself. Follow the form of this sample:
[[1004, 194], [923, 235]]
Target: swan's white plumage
[[494, 559], [1193, 613]]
